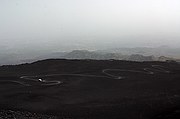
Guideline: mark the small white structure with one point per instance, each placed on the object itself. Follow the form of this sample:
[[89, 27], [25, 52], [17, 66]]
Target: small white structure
[[40, 80]]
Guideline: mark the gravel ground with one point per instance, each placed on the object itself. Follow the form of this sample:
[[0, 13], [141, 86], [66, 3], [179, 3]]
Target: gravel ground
[[9, 114]]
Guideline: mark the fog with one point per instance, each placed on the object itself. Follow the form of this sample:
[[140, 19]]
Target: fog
[[64, 25]]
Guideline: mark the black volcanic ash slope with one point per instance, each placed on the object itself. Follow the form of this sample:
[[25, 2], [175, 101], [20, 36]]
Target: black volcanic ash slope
[[87, 92]]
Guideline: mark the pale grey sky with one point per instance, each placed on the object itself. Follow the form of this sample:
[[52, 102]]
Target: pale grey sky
[[88, 24]]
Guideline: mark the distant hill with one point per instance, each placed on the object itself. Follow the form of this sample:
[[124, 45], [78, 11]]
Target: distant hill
[[84, 54], [132, 54], [163, 58], [147, 51], [137, 57]]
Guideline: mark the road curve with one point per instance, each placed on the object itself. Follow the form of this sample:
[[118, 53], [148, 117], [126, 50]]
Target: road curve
[[16, 82]]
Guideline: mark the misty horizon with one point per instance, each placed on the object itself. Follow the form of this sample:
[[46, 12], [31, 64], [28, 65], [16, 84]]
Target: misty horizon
[[91, 24], [30, 29]]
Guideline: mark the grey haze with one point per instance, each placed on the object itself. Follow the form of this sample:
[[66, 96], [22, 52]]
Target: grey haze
[[40, 26]]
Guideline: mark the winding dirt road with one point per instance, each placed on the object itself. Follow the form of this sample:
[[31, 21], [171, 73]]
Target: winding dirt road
[[38, 78]]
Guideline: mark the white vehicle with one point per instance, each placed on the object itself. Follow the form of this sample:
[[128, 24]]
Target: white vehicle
[[40, 80]]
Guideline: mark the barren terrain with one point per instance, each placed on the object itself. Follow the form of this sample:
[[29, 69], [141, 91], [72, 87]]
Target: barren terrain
[[90, 89]]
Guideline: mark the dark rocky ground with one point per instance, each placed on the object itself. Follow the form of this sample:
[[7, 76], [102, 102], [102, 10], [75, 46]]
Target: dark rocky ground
[[9, 114], [136, 96]]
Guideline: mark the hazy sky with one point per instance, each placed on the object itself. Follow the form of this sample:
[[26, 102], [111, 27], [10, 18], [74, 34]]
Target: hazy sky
[[88, 24]]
